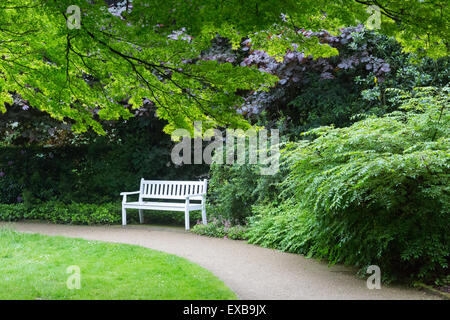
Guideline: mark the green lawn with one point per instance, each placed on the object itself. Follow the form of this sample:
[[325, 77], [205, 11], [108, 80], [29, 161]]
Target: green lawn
[[34, 266]]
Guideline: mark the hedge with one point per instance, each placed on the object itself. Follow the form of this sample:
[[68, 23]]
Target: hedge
[[86, 214]]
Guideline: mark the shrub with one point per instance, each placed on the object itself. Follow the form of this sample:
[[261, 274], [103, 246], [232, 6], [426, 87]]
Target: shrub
[[10, 190], [377, 192], [82, 213], [234, 189], [221, 228], [285, 226], [9, 212], [75, 213]]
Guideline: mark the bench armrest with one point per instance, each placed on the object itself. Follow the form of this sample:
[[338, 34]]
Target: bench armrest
[[125, 194], [128, 193], [195, 195]]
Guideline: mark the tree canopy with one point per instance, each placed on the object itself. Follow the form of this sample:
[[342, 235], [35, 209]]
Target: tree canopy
[[150, 51]]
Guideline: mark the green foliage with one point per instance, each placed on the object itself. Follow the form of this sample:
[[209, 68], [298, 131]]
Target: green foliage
[[74, 213], [325, 102], [84, 213], [77, 74], [352, 86], [10, 190], [353, 92], [233, 189], [90, 168], [376, 192], [285, 226], [221, 228]]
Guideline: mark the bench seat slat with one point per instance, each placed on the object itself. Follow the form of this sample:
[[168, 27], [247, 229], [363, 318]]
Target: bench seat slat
[[162, 206]]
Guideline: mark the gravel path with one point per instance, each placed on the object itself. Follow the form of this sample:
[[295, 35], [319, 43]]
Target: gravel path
[[250, 271]]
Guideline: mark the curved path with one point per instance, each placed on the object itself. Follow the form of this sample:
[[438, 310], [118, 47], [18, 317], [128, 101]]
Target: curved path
[[250, 271]]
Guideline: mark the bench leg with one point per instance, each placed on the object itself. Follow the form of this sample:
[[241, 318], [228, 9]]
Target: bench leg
[[186, 218], [205, 222], [124, 216], [141, 216]]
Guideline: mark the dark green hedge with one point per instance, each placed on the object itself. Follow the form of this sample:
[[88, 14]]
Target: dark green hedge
[[94, 170], [82, 213]]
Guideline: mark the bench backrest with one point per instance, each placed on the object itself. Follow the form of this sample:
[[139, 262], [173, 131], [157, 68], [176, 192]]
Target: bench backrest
[[159, 189]]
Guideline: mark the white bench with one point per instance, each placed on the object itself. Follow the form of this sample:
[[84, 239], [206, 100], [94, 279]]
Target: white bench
[[187, 191]]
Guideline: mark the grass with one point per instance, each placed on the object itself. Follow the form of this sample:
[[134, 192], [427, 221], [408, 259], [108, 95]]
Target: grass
[[34, 266]]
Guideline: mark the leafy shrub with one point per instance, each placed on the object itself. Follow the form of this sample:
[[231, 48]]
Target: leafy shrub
[[285, 226], [234, 189], [56, 212], [82, 213], [377, 192], [10, 189], [221, 228], [10, 212]]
